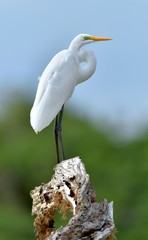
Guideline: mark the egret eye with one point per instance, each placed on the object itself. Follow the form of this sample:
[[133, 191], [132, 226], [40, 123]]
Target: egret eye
[[86, 38]]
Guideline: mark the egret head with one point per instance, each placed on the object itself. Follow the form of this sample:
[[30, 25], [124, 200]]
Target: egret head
[[83, 39]]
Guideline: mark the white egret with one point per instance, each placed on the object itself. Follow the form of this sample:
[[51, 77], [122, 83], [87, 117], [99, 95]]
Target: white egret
[[58, 81]]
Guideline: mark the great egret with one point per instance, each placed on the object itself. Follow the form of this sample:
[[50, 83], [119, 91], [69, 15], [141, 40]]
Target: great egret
[[67, 69]]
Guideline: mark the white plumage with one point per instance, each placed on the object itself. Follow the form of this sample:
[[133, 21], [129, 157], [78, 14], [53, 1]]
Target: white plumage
[[59, 79]]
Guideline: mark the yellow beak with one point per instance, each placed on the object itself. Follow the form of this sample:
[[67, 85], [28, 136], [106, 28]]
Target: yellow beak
[[96, 38]]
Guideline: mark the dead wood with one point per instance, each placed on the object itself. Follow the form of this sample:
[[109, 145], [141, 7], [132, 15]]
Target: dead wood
[[70, 189]]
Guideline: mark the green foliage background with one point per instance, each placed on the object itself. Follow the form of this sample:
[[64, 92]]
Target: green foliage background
[[118, 171]]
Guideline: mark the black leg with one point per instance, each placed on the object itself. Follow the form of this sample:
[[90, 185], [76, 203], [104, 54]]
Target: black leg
[[60, 132], [56, 138], [58, 135]]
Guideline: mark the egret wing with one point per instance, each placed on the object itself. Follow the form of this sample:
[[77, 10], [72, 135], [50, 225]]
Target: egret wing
[[55, 87], [47, 109], [47, 74]]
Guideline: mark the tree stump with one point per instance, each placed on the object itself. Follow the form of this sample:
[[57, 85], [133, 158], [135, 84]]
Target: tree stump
[[70, 189]]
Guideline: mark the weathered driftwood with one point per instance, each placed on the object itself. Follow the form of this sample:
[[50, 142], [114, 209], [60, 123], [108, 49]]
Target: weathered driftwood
[[70, 189]]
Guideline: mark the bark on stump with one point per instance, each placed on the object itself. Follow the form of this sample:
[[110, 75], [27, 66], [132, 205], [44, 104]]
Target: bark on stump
[[70, 189]]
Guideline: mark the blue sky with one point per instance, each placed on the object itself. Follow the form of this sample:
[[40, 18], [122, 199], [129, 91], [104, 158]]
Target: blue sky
[[33, 31]]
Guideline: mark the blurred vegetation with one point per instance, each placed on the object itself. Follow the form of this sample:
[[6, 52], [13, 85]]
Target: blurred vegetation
[[118, 170]]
